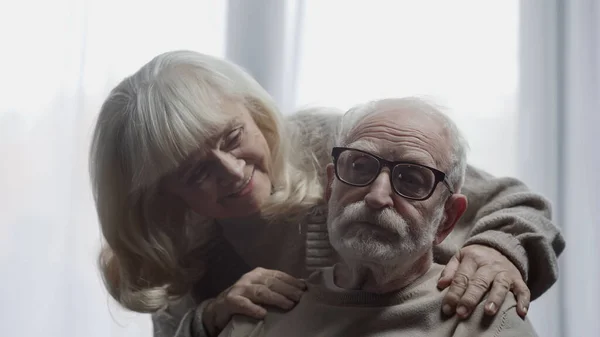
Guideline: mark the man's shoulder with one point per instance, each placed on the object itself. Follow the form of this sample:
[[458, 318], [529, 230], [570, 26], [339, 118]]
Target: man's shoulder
[[506, 323], [242, 326], [509, 322]]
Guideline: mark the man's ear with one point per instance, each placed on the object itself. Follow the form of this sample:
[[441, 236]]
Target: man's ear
[[330, 177], [453, 209]]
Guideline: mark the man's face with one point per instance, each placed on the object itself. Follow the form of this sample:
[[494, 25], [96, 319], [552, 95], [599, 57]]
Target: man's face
[[374, 223]]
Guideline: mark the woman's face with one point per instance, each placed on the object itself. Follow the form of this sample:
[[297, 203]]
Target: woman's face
[[229, 176]]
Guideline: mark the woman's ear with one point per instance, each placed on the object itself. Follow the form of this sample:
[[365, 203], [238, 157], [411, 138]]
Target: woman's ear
[[453, 209], [330, 177]]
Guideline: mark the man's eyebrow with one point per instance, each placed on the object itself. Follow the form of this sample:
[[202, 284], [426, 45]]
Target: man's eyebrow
[[418, 158], [365, 145], [393, 155]]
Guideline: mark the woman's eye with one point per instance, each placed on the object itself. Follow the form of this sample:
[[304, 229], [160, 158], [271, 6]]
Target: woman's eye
[[234, 138], [197, 176]]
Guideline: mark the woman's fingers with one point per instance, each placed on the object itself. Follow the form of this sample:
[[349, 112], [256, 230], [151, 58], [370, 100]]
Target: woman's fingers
[[237, 304], [478, 286], [458, 286], [291, 292], [261, 294], [498, 292], [523, 297], [261, 275], [448, 273], [271, 287], [250, 294]]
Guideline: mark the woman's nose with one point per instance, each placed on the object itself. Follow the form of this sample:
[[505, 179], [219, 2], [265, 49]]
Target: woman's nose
[[232, 168]]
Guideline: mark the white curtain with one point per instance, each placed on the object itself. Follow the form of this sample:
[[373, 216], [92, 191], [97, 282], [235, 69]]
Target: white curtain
[[580, 180], [559, 155], [462, 53], [263, 36], [520, 78], [59, 60]]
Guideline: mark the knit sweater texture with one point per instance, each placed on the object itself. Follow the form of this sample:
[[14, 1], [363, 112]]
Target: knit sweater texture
[[502, 213], [328, 310]]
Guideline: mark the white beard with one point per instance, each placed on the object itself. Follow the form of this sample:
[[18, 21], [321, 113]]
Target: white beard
[[361, 235]]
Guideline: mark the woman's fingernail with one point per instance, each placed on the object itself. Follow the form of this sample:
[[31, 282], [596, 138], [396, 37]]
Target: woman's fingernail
[[491, 306], [447, 309], [461, 311], [261, 312]]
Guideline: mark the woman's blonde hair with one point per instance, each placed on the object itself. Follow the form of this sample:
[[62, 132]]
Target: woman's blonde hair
[[150, 123]]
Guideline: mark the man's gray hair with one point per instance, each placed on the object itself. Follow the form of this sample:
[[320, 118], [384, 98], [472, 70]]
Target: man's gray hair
[[458, 158]]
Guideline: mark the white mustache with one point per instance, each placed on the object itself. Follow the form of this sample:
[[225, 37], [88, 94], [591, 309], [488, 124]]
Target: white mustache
[[387, 218]]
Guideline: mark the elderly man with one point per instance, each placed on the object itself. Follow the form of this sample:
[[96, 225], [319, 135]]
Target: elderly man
[[393, 194]]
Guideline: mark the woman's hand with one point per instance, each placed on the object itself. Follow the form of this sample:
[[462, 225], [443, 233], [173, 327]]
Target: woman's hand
[[258, 287], [473, 271]]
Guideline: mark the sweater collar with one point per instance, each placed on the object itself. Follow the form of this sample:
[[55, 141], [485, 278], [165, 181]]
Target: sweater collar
[[322, 287]]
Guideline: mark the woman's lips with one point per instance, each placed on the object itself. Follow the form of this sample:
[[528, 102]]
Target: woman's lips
[[245, 189]]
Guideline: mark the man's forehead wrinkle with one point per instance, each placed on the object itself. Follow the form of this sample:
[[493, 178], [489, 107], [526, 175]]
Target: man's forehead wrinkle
[[401, 139], [394, 133]]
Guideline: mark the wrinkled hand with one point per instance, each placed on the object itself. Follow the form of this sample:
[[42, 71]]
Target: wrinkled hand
[[260, 286], [473, 271]]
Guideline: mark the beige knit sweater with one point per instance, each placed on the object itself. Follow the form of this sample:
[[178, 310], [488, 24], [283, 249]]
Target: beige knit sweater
[[502, 214], [327, 310]]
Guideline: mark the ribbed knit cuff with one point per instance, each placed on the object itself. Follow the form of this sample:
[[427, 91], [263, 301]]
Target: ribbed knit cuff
[[506, 244], [198, 329]]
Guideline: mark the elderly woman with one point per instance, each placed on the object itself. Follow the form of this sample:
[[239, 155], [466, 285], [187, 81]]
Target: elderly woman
[[211, 204]]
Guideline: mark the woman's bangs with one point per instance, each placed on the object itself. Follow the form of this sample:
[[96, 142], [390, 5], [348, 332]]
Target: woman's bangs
[[178, 116]]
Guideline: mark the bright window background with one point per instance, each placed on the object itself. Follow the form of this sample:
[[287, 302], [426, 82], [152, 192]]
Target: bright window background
[[461, 53], [60, 59]]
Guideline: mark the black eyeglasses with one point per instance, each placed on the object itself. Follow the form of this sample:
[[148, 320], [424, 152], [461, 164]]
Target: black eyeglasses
[[412, 181]]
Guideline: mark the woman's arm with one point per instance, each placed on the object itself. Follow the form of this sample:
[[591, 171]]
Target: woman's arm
[[505, 215], [227, 290], [181, 319], [518, 223]]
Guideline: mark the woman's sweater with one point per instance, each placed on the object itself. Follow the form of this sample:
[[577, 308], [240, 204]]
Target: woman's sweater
[[502, 214]]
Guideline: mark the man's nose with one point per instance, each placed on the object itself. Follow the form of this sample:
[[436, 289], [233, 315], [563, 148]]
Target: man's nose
[[232, 168], [380, 192]]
